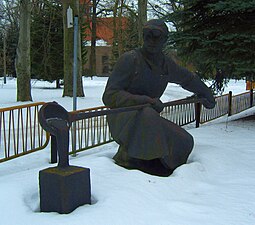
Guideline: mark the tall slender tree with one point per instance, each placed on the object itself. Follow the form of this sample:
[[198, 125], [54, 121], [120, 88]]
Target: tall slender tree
[[23, 62], [68, 51], [125, 31], [92, 64], [142, 17]]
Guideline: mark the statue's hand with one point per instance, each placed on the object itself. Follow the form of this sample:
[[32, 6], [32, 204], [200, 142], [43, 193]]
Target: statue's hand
[[157, 105], [208, 103]]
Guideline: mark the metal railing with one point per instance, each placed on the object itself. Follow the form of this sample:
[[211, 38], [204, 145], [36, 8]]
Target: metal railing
[[180, 112], [20, 132], [221, 109], [240, 103], [91, 132]]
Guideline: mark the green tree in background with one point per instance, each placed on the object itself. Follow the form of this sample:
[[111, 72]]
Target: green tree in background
[[217, 37], [9, 38], [9, 32], [131, 36], [47, 41], [126, 36]]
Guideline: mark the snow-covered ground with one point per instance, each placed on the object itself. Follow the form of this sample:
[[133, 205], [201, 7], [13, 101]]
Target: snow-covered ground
[[215, 187]]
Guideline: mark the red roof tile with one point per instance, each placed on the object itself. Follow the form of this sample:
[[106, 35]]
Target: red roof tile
[[105, 28]]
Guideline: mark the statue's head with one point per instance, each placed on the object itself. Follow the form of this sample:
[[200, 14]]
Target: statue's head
[[155, 34]]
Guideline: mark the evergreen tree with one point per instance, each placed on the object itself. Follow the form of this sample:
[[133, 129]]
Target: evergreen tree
[[12, 36], [47, 41], [218, 37], [9, 32], [127, 33], [131, 37]]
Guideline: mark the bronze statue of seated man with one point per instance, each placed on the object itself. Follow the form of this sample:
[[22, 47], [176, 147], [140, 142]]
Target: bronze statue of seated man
[[147, 141]]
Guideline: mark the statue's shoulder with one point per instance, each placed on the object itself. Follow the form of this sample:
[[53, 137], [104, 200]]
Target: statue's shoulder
[[129, 57], [170, 59], [131, 54]]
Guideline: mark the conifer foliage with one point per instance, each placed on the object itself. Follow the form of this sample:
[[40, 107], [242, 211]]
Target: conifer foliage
[[217, 37], [47, 41]]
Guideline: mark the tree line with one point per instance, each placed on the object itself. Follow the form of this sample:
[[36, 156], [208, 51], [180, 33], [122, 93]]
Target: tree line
[[217, 38], [42, 47]]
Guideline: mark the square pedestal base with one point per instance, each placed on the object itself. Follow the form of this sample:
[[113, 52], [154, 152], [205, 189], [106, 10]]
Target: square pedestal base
[[64, 189]]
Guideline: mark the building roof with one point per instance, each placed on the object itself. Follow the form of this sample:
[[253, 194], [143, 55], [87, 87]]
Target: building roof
[[105, 28]]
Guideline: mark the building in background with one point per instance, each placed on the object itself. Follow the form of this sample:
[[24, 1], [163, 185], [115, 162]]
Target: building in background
[[105, 38]]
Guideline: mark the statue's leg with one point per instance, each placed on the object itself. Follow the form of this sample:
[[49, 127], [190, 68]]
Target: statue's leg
[[155, 137], [152, 142]]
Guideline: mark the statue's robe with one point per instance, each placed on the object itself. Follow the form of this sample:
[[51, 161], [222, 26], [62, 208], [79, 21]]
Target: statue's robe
[[144, 134]]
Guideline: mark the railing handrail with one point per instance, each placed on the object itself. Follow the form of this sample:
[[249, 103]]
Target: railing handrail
[[92, 112], [21, 106]]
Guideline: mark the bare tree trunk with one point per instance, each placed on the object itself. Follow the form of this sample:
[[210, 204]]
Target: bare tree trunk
[[118, 47], [68, 52], [23, 62], [115, 51], [120, 29], [4, 52], [92, 64], [142, 18]]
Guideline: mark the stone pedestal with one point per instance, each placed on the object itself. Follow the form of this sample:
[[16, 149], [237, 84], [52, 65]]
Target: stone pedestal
[[64, 189]]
